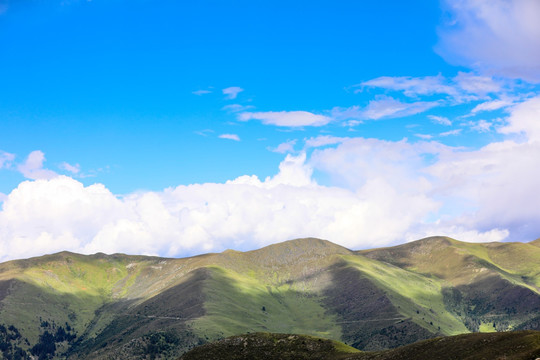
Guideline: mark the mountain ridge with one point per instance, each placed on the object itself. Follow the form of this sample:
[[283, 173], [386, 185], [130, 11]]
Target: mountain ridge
[[117, 305]]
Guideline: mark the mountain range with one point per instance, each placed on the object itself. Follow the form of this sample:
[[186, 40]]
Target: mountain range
[[119, 306]]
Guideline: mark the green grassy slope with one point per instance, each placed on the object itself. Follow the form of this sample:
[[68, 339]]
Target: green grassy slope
[[122, 306], [487, 287]]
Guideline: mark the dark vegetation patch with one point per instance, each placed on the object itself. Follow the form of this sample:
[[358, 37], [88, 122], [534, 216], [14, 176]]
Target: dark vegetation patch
[[522, 345], [492, 300], [52, 340], [519, 345], [368, 319], [127, 335], [532, 324], [12, 343], [270, 347]]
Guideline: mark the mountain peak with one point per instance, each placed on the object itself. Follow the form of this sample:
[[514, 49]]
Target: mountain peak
[[309, 245], [305, 248]]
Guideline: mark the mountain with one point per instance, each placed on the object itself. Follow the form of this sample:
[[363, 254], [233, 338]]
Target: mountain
[[519, 345], [120, 306]]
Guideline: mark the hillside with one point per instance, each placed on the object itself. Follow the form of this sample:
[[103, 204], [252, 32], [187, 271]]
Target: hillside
[[522, 345], [120, 306], [271, 347]]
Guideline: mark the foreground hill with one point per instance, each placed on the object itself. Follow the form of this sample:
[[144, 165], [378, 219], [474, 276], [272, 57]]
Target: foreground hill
[[119, 306], [521, 345]]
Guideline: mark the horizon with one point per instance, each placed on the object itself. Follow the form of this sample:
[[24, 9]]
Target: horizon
[[260, 248], [175, 129]]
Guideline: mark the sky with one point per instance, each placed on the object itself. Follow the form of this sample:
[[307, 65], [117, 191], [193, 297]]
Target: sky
[[175, 128]]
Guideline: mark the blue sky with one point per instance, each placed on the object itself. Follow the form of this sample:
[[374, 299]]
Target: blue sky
[[370, 107]]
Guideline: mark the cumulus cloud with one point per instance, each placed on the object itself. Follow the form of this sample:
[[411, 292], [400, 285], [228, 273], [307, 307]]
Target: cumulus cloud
[[525, 119], [492, 188], [487, 194], [230, 137], [60, 213], [286, 118], [33, 169], [499, 37], [232, 92], [376, 193]]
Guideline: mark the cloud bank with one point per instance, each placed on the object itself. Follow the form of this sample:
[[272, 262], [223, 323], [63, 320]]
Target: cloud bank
[[376, 193], [500, 37]]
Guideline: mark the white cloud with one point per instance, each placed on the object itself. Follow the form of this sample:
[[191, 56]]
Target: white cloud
[[323, 140], [464, 87], [233, 108], [488, 194], [459, 232], [481, 126], [51, 215], [440, 120], [378, 193], [491, 188], [491, 105], [230, 137], [232, 92], [500, 37], [356, 161], [424, 136], [476, 84], [387, 107], [6, 159], [33, 169], [44, 216], [204, 132], [201, 92], [525, 119], [383, 107], [286, 147], [74, 169], [388, 191], [412, 86], [286, 118], [451, 132]]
